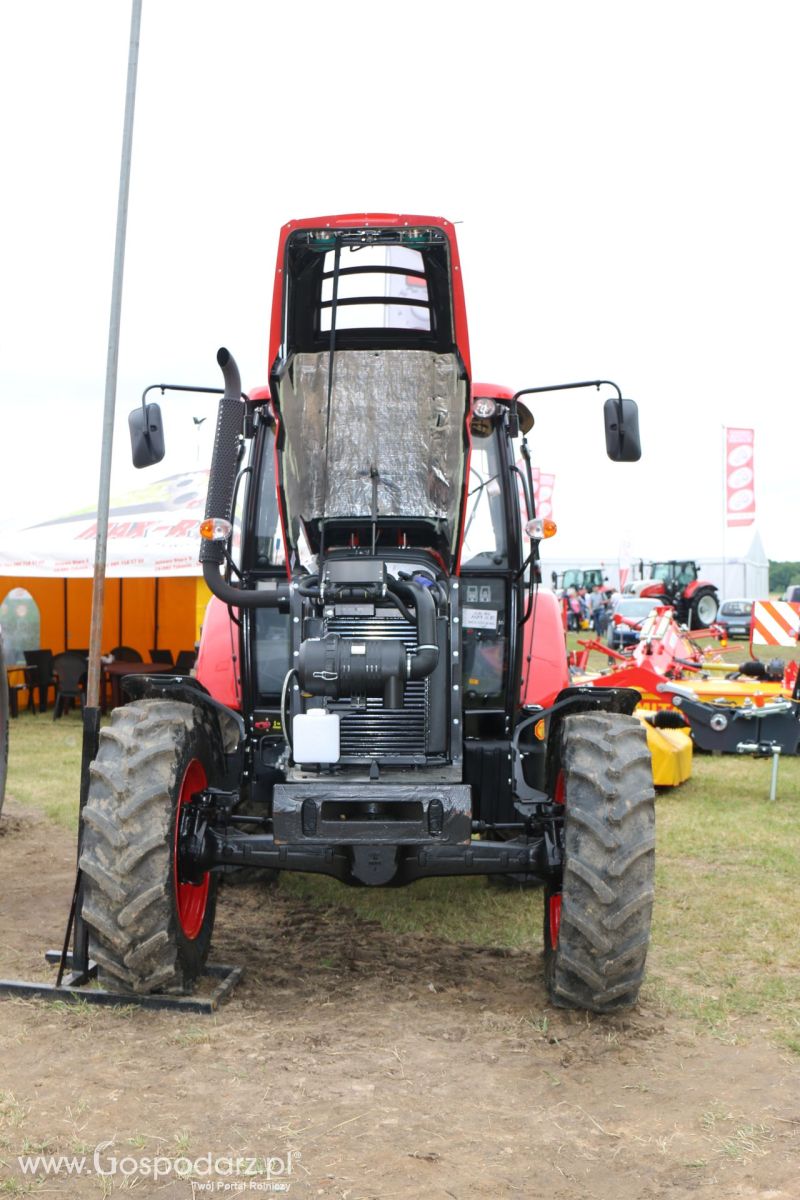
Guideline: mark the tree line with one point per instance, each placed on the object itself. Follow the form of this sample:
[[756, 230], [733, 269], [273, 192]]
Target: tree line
[[781, 574]]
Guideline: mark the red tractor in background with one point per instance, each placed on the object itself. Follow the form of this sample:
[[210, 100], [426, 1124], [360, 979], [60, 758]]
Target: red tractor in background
[[678, 584], [382, 691]]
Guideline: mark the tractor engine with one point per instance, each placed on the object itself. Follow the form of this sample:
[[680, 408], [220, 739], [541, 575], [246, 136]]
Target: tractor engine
[[370, 685]]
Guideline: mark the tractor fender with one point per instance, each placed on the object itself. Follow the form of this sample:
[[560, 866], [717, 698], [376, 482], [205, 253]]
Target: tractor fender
[[544, 653], [691, 588], [188, 690], [218, 659]]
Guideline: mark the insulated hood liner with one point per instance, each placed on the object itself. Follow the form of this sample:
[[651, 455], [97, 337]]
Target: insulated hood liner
[[397, 412]]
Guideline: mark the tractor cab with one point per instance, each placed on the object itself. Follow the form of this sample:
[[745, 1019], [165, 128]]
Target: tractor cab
[[674, 575]]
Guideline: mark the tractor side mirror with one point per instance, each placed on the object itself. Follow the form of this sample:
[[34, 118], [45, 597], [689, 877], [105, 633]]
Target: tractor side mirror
[[622, 430], [147, 435]]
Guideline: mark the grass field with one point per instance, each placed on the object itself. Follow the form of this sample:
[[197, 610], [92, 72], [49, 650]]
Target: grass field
[[725, 950]]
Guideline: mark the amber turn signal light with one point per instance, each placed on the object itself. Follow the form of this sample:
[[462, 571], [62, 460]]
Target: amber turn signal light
[[215, 529]]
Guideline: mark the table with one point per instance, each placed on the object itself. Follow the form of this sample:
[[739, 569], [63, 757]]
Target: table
[[116, 671]]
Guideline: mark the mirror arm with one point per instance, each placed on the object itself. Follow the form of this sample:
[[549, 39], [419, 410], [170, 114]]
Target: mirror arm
[[173, 387], [563, 387]]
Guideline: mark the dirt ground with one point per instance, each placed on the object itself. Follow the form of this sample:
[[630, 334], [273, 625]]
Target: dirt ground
[[388, 1065]]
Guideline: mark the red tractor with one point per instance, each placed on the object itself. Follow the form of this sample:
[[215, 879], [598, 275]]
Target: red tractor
[[678, 584], [382, 691]]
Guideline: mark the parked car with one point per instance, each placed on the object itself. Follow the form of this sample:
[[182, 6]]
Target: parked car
[[792, 593], [734, 617], [633, 609]]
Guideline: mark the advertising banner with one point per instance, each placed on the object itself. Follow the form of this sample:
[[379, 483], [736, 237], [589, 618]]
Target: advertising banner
[[740, 496]]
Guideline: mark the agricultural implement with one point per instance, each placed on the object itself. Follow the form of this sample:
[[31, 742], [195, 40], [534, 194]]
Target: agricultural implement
[[381, 692]]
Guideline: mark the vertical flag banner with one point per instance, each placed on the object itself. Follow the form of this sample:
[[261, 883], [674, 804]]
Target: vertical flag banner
[[740, 496], [544, 502]]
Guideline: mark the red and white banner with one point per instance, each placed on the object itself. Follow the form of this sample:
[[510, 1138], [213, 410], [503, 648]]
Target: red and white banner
[[740, 496], [544, 495], [775, 623], [152, 530]]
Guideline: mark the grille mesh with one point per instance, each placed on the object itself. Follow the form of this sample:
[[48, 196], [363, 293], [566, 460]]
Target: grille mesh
[[382, 732]]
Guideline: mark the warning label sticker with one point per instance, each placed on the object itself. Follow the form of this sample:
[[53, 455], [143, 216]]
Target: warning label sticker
[[479, 618]]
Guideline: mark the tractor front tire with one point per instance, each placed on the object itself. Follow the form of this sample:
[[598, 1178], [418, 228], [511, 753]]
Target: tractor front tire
[[148, 931], [597, 923], [703, 609]]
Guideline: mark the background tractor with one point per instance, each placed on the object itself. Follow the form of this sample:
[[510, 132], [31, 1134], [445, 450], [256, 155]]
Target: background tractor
[[678, 583], [381, 691], [589, 578]]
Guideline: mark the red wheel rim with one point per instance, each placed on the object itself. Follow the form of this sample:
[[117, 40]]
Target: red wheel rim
[[560, 791], [191, 898], [554, 917]]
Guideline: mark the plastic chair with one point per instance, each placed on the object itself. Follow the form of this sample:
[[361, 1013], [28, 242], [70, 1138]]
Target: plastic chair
[[14, 690], [126, 654], [162, 656], [185, 661], [42, 663], [70, 671]]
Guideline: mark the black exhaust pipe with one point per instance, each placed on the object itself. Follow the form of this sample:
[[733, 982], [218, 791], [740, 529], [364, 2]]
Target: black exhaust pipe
[[225, 459], [221, 487]]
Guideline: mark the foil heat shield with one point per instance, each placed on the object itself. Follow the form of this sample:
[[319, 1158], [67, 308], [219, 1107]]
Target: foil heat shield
[[393, 430]]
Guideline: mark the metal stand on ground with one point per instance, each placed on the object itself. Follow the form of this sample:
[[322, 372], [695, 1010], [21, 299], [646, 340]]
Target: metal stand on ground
[[74, 989], [761, 750], [773, 786]]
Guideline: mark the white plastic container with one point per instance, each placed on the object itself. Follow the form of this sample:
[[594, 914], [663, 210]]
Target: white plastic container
[[315, 737]]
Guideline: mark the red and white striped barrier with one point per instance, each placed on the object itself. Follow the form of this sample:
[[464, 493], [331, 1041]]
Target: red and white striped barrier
[[775, 623]]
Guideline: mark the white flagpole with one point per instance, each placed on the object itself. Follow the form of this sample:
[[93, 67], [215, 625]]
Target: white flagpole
[[98, 589]]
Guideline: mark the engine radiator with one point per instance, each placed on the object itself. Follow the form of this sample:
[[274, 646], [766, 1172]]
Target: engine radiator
[[375, 731]]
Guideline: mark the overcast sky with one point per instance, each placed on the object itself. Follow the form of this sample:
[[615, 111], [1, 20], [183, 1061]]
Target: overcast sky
[[624, 174]]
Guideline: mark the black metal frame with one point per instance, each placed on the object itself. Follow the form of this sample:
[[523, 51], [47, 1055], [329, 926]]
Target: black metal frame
[[77, 989]]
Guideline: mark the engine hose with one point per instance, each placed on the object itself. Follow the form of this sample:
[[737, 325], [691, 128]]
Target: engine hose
[[309, 587], [427, 655], [398, 603], [238, 597], [284, 711]]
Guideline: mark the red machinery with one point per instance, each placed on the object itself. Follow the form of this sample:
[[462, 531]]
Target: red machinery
[[381, 691]]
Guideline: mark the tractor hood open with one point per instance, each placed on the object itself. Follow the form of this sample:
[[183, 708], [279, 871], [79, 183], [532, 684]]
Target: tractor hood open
[[386, 441], [371, 384]]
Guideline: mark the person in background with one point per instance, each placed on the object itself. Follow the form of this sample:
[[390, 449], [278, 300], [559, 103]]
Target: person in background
[[599, 599]]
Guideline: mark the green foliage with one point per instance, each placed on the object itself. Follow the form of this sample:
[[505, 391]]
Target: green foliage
[[781, 574]]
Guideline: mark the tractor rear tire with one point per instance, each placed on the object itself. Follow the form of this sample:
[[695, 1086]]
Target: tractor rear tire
[[597, 923], [703, 609], [148, 931]]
